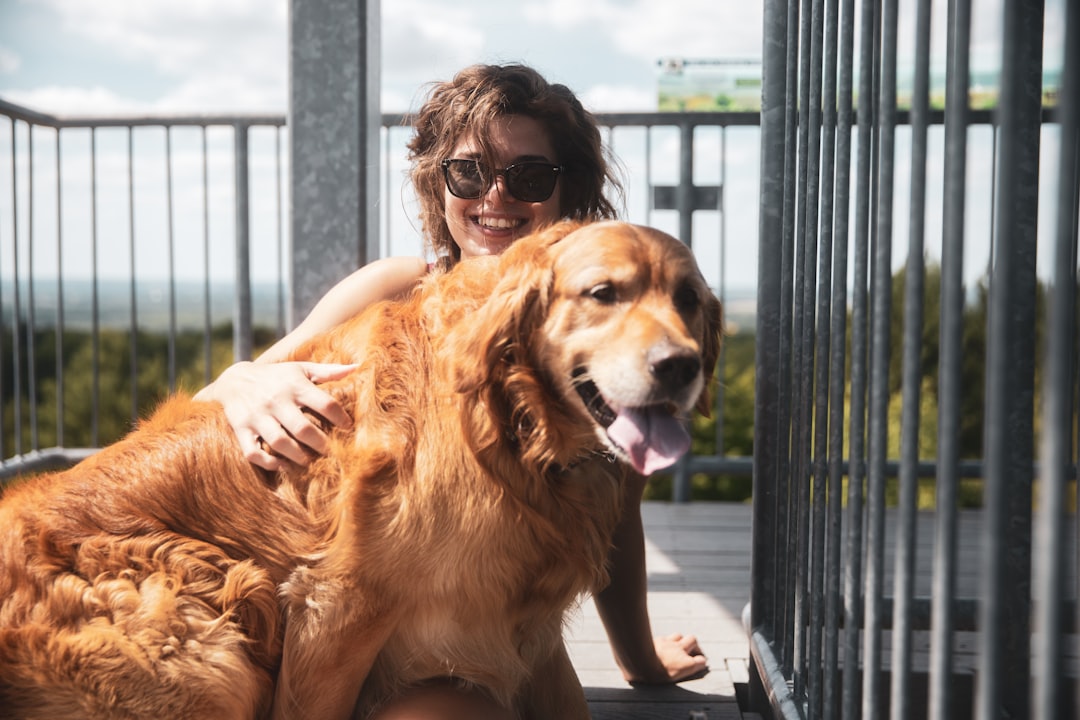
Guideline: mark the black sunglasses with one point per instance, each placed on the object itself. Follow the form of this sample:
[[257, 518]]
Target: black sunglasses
[[530, 181]]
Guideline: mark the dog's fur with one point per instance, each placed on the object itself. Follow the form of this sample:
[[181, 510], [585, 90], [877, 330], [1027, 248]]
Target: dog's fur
[[444, 535]]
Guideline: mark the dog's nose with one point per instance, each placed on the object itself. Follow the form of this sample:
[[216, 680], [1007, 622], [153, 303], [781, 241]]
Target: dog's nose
[[675, 371]]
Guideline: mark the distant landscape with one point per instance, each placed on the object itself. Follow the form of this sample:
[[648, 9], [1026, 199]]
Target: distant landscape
[[151, 303]]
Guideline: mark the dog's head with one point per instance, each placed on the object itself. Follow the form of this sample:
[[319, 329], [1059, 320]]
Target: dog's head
[[597, 337]]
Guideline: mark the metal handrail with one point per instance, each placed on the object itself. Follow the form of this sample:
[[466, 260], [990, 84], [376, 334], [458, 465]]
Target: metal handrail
[[241, 124]]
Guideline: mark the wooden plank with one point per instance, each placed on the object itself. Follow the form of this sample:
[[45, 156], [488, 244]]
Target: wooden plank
[[638, 710]]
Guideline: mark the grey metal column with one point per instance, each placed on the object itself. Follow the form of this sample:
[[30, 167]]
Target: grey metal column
[[1049, 698], [950, 363], [334, 122], [765, 677], [1005, 607]]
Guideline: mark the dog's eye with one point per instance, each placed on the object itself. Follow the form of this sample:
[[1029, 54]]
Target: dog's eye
[[686, 298], [604, 293]]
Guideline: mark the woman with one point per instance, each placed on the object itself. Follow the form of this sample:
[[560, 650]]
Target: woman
[[498, 153]]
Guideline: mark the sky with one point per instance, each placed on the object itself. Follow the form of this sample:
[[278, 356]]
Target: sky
[[231, 55], [225, 56]]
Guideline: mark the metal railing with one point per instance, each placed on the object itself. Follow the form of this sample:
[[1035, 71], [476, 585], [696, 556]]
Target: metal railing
[[826, 639], [674, 165], [37, 301]]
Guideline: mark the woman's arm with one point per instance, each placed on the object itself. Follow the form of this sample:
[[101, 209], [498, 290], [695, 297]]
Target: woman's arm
[[623, 607], [383, 279], [263, 400]]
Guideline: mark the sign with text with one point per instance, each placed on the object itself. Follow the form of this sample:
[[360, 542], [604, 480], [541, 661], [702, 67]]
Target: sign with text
[[704, 85]]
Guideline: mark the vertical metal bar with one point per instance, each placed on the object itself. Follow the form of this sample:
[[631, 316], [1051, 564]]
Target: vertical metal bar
[[1048, 697], [684, 203], [31, 299], [242, 336], [684, 197], [280, 231], [132, 287], [911, 370], [171, 246], [798, 520], [384, 249], [824, 624], [880, 353], [648, 174], [842, 53], [994, 146], [949, 363], [767, 409], [95, 321], [784, 526], [16, 300], [207, 299], [722, 361], [14, 353], [59, 299], [1006, 593], [819, 250], [3, 433], [853, 575]]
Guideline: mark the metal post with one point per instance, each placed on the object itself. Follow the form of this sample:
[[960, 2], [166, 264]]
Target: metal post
[[949, 364], [334, 123], [1010, 375], [880, 353], [1049, 700], [767, 363], [914, 285]]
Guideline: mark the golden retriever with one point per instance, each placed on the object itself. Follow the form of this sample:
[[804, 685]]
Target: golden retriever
[[496, 411]]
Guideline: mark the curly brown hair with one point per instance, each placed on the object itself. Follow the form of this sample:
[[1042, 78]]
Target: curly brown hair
[[469, 104]]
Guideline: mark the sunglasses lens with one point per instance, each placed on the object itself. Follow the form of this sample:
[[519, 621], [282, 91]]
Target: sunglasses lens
[[531, 182], [528, 181], [463, 178]]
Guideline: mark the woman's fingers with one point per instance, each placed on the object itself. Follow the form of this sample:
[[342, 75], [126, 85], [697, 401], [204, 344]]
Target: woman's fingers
[[277, 411]]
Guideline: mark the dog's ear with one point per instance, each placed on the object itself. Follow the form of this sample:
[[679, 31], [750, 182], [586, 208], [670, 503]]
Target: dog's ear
[[710, 349], [516, 307]]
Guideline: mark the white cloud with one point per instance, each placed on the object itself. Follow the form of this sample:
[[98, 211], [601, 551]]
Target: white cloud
[[198, 43], [619, 98], [9, 61], [423, 42], [176, 37], [81, 101], [646, 29], [223, 93]]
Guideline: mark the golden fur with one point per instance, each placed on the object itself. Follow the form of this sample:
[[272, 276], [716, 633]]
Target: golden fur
[[443, 536]]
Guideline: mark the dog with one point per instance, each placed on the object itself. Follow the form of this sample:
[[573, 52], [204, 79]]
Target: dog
[[497, 412]]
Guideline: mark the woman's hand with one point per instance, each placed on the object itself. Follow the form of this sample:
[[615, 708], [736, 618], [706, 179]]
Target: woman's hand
[[681, 656], [264, 404]]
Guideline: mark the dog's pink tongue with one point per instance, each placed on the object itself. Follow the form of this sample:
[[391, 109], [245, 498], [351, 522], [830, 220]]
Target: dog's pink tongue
[[652, 438]]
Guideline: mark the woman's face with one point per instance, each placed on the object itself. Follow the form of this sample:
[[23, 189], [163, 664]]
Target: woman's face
[[488, 224]]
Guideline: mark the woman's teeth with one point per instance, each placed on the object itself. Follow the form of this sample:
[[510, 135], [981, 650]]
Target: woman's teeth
[[499, 223]]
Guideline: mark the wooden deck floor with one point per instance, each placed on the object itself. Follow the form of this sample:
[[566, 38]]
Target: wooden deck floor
[[698, 559]]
